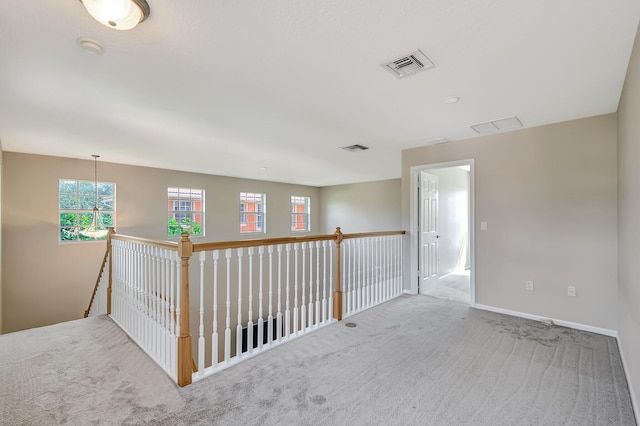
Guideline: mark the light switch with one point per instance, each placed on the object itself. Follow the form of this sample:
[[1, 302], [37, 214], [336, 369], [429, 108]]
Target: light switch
[[483, 226]]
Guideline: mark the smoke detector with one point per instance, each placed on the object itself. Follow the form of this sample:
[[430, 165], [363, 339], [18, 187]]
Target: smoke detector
[[90, 46], [409, 64], [355, 148]]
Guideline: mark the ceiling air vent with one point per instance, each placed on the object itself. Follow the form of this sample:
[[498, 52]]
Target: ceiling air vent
[[509, 123], [410, 64], [355, 148]]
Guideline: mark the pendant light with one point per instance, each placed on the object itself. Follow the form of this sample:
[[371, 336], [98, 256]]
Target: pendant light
[[97, 229], [118, 14]]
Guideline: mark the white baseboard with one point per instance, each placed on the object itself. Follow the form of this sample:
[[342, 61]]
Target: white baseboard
[[577, 326], [632, 394]]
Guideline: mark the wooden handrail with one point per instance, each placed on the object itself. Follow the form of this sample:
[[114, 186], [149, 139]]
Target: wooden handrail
[[160, 244], [261, 242], [372, 234], [220, 245]]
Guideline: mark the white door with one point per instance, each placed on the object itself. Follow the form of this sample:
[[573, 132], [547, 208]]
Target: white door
[[428, 231]]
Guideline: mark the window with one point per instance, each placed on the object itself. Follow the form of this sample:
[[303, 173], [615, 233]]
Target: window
[[186, 211], [252, 212], [300, 213], [76, 202]]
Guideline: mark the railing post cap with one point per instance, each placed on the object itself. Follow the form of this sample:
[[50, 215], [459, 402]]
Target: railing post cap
[[185, 246]]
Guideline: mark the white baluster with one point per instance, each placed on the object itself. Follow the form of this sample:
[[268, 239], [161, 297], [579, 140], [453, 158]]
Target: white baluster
[[387, 269], [361, 275], [165, 308], [295, 289], [349, 281], [331, 287], [214, 335], [367, 299], [177, 288], [324, 281], [250, 313], [239, 326], [379, 271], [227, 329], [317, 283], [303, 304], [201, 328], [270, 317], [310, 309], [279, 314], [287, 312], [172, 310], [260, 320]]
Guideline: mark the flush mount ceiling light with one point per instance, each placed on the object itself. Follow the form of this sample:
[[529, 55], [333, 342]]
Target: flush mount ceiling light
[[118, 14]]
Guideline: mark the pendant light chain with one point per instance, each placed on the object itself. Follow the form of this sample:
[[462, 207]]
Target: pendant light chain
[[95, 178]]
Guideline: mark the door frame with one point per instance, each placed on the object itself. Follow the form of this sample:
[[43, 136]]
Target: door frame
[[414, 242]]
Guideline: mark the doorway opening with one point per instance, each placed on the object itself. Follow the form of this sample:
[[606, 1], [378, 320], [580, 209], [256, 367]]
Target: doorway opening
[[442, 255]]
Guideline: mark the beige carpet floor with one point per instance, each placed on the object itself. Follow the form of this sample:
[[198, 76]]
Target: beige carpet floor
[[415, 360]]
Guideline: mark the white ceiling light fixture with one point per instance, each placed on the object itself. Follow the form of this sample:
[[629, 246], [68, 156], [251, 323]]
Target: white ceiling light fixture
[[118, 14], [451, 100], [97, 229]]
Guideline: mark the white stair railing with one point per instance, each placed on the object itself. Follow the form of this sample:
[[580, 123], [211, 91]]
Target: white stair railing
[[265, 292], [372, 271], [145, 303], [277, 268]]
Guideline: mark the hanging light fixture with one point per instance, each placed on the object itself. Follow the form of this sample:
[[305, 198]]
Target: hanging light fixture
[[97, 229], [118, 14]]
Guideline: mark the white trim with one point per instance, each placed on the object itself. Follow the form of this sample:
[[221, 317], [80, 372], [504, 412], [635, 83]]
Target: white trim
[[414, 173], [632, 394], [575, 325]]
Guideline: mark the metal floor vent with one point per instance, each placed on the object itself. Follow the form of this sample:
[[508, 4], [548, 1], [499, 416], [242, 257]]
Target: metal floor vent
[[509, 123], [409, 64], [355, 148]]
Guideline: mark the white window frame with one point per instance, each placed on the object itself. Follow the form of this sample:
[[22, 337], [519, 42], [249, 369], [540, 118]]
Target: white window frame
[[299, 200], [88, 198], [183, 202], [260, 213]]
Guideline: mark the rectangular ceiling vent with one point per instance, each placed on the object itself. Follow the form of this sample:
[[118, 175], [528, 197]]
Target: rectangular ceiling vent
[[355, 148], [438, 141], [410, 64], [509, 123]]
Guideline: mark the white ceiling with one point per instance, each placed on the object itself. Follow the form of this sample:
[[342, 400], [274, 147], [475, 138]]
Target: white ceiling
[[229, 87]]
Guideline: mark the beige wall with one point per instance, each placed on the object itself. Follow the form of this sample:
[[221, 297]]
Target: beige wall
[[549, 196], [1, 226], [361, 207], [629, 224], [47, 282]]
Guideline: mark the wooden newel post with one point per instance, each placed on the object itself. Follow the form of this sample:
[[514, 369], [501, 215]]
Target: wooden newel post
[[337, 294], [185, 250], [110, 255]]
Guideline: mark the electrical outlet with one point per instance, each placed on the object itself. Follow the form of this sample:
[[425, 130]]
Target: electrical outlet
[[528, 285], [571, 291]]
